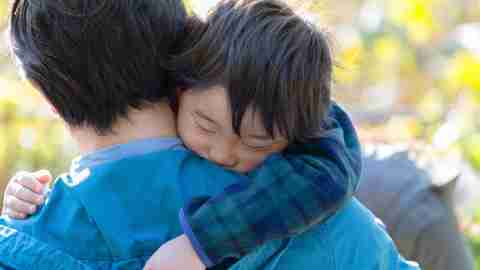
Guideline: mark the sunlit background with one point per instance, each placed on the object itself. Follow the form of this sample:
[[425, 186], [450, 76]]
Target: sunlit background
[[407, 70]]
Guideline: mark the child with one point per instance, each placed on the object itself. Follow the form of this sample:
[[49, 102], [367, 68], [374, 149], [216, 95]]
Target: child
[[254, 130]]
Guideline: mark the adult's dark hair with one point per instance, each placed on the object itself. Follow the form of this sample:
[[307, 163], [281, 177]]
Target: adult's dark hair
[[96, 59], [267, 57]]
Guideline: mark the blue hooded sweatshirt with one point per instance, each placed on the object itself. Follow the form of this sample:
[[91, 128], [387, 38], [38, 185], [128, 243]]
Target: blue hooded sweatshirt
[[117, 206]]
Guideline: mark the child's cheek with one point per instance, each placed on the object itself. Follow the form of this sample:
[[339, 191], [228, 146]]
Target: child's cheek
[[196, 143]]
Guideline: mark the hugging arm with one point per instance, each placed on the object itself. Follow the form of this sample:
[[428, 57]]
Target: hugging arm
[[288, 194]]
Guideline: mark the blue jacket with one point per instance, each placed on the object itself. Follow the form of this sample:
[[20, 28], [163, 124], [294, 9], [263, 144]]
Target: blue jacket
[[114, 213], [117, 217]]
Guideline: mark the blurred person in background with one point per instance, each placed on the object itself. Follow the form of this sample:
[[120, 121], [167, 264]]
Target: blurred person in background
[[415, 199]]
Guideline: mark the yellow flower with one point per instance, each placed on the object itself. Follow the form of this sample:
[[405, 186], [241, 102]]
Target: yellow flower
[[464, 71], [417, 17], [387, 49]]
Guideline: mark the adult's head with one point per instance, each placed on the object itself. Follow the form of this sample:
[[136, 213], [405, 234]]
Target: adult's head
[[94, 60]]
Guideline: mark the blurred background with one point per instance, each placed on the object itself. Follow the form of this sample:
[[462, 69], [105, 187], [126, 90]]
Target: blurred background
[[407, 70]]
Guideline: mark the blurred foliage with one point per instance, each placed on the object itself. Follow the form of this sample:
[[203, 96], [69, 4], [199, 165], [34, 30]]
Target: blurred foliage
[[406, 69], [31, 137], [409, 70]]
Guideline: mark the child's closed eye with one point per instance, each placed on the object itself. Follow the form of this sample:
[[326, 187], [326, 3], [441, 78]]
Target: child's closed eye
[[258, 146], [203, 128], [203, 124]]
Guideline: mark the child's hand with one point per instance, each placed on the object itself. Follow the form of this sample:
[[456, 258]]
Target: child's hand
[[24, 193], [174, 255]]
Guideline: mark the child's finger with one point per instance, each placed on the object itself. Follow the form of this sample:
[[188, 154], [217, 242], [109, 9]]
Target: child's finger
[[19, 206], [31, 182], [13, 214], [25, 194]]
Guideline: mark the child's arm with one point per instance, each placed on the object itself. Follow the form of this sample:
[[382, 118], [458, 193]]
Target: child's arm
[[285, 196]]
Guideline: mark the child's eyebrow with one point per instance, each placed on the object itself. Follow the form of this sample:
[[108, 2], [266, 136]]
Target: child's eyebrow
[[204, 116]]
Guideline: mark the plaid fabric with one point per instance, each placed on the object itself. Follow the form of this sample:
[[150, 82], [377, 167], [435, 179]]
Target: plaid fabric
[[284, 197]]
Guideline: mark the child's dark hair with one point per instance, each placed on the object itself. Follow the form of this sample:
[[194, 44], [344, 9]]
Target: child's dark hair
[[266, 57], [96, 59]]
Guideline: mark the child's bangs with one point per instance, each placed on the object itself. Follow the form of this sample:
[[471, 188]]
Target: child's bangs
[[269, 60]]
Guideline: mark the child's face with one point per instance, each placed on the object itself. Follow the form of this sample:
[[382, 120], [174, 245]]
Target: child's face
[[205, 126]]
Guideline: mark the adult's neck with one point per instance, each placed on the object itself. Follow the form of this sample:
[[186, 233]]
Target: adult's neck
[[155, 121]]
